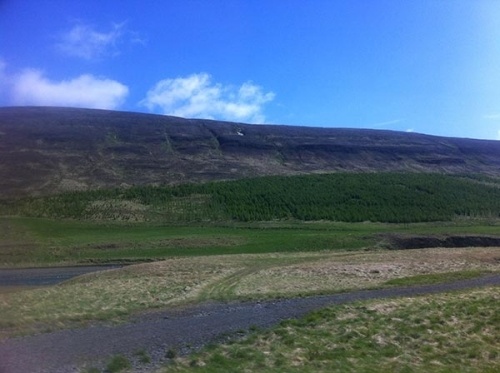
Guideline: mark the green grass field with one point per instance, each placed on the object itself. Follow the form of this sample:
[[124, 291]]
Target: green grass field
[[261, 215], [271, 238], [39, 241]]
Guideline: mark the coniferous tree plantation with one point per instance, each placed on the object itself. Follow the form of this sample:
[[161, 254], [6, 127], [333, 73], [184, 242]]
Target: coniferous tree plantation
[[347, 197]]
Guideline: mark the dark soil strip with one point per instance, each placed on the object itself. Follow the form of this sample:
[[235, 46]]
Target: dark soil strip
[[182, 330], [405, 242]]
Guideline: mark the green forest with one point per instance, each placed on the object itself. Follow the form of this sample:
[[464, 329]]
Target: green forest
[[347, 197]]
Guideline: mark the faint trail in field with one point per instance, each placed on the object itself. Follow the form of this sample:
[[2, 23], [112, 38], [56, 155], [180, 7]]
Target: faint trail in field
[[184, 330], [222, 289], [225, 287]]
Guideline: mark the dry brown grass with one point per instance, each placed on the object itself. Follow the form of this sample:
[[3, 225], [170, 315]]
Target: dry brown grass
[[117, 293], [108, 295], [343, 271]]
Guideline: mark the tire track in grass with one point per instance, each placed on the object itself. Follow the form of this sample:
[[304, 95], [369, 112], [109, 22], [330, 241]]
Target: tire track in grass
[[223, 289]]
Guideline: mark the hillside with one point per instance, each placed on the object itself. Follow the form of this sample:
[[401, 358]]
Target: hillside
[[46, 150], [347, 197]]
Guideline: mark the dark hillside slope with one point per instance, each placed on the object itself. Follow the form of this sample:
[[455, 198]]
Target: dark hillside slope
[[45, 150]]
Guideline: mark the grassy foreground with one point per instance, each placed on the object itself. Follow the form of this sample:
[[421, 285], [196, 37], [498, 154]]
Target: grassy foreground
[[455, 332]]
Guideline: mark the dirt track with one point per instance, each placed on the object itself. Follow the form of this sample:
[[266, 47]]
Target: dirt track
[[183, 330]]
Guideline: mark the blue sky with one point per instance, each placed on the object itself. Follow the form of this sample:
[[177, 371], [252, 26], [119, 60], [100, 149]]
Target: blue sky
[[429, 66]]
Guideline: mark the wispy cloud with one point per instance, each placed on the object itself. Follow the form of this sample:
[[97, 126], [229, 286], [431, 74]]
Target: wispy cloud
[[197, 96], [495, 116], [32, 88], [386, 123], [3, 66], [4, 81], [85, 41]]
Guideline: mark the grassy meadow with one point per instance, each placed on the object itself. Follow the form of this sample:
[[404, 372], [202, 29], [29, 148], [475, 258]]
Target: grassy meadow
[[31, 242], [119, 293], [454, 332], [268, 238]]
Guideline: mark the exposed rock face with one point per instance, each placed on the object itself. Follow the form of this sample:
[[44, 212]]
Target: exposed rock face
[[46, 150]]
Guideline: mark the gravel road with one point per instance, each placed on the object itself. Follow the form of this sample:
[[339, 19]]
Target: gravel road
[[183, 330], [45, 276]]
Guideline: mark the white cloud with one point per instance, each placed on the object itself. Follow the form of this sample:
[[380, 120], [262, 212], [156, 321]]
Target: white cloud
[[197, 96], [84, 41], [32, 88]]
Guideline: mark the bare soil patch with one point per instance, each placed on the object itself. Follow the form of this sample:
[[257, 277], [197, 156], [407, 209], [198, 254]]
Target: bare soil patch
[[169, 243], [405, 242]]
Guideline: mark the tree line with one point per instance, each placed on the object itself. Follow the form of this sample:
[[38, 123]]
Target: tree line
[[348, 197]]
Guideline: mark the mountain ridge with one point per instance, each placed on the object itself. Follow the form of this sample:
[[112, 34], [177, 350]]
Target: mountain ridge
[[47, 150]]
